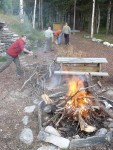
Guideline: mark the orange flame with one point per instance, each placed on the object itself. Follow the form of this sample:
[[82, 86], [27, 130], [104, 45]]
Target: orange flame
[[80, 101]]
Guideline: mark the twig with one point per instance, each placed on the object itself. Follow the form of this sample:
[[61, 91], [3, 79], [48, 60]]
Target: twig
[[34, 72], [60, 119]]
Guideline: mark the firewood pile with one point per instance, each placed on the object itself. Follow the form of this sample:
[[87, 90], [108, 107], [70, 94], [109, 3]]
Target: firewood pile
[[2, 48], [7, 37]]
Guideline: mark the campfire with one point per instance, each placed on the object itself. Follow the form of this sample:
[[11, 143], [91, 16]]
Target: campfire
[[73, 113], [76, 112]]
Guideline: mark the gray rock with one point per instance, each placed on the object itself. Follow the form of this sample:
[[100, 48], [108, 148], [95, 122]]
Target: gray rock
[[29, 109], [106, 123], [36, 101], [110, 92], [101, 132], [90, 141], [48, 148], [25, 120], [52, 130], [110, 125], [55, 140], [26, 136], [76, 137]]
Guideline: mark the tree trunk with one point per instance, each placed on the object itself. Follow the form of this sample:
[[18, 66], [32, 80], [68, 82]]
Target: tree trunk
[[34, 14], [111, 23], [41, 14], [92, 22], [98, 23], [39, 18], [74, 18], [21, 12], [108, 18]]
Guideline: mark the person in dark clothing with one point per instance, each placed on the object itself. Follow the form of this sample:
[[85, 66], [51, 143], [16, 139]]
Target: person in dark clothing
[[66, 31], [12, 54]]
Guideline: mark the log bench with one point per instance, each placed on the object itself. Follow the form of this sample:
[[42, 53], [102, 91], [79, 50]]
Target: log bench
[[81, 66]]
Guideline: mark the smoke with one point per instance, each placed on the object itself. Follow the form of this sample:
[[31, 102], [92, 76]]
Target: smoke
[[59, 80], [54, 81]]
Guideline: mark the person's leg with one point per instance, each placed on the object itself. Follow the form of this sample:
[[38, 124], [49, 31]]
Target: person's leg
[[60, 38], [7, 63], [67, 38], [18, 67], [50, 44], [46, 45]]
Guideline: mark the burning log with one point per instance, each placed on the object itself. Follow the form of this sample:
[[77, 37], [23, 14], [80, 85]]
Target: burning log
[[84, 126]]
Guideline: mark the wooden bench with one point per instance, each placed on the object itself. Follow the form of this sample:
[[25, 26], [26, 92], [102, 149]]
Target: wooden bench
[[81, 66], [75, 31]]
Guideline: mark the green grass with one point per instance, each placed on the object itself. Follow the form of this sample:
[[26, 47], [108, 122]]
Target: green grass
[[104, 37], [3, 58], [100, 36]]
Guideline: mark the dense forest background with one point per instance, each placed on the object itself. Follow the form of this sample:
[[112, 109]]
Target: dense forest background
[[78, 13]]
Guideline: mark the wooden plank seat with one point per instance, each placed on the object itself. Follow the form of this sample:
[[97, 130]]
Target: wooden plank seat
[[75, 31], [81, 66]]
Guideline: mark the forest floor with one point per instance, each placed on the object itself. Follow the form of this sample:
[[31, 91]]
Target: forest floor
[[13, 101]]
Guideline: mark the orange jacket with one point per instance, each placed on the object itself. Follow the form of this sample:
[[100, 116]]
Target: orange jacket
[[57, 32]]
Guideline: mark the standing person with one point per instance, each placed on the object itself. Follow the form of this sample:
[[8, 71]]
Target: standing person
[[58, 35], [12, 54], [48, 39], [66, 31]]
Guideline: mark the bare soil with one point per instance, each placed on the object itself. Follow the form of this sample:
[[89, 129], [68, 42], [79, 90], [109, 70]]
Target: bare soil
[[13, 102]]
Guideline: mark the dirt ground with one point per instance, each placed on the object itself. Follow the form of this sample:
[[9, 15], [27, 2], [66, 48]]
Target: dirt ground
[[13, 102]]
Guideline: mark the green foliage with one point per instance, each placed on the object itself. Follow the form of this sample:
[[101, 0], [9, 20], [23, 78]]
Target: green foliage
[[35, 34], [6, 6], [3, 58]]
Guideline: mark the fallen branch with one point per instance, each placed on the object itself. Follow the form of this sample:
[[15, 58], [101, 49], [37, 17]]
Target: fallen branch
[[34, 73], [57, 124], [104, 109]]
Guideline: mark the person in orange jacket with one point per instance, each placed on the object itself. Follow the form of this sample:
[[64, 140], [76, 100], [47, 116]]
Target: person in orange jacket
[[58, 35]]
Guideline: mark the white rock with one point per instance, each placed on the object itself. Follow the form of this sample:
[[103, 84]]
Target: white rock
[[101, 132], [61, 142], [26, 136], [48, 148], [111, 45], [29, 109], [36, 101], [107, 105], [106, 43], [52, 130], [25, 120]]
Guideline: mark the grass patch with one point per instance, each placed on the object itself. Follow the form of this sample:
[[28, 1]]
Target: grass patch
[[104, 37], [3, 58]]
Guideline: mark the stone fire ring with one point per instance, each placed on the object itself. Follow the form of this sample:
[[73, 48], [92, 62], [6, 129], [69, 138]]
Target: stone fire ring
[[73, 143]]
